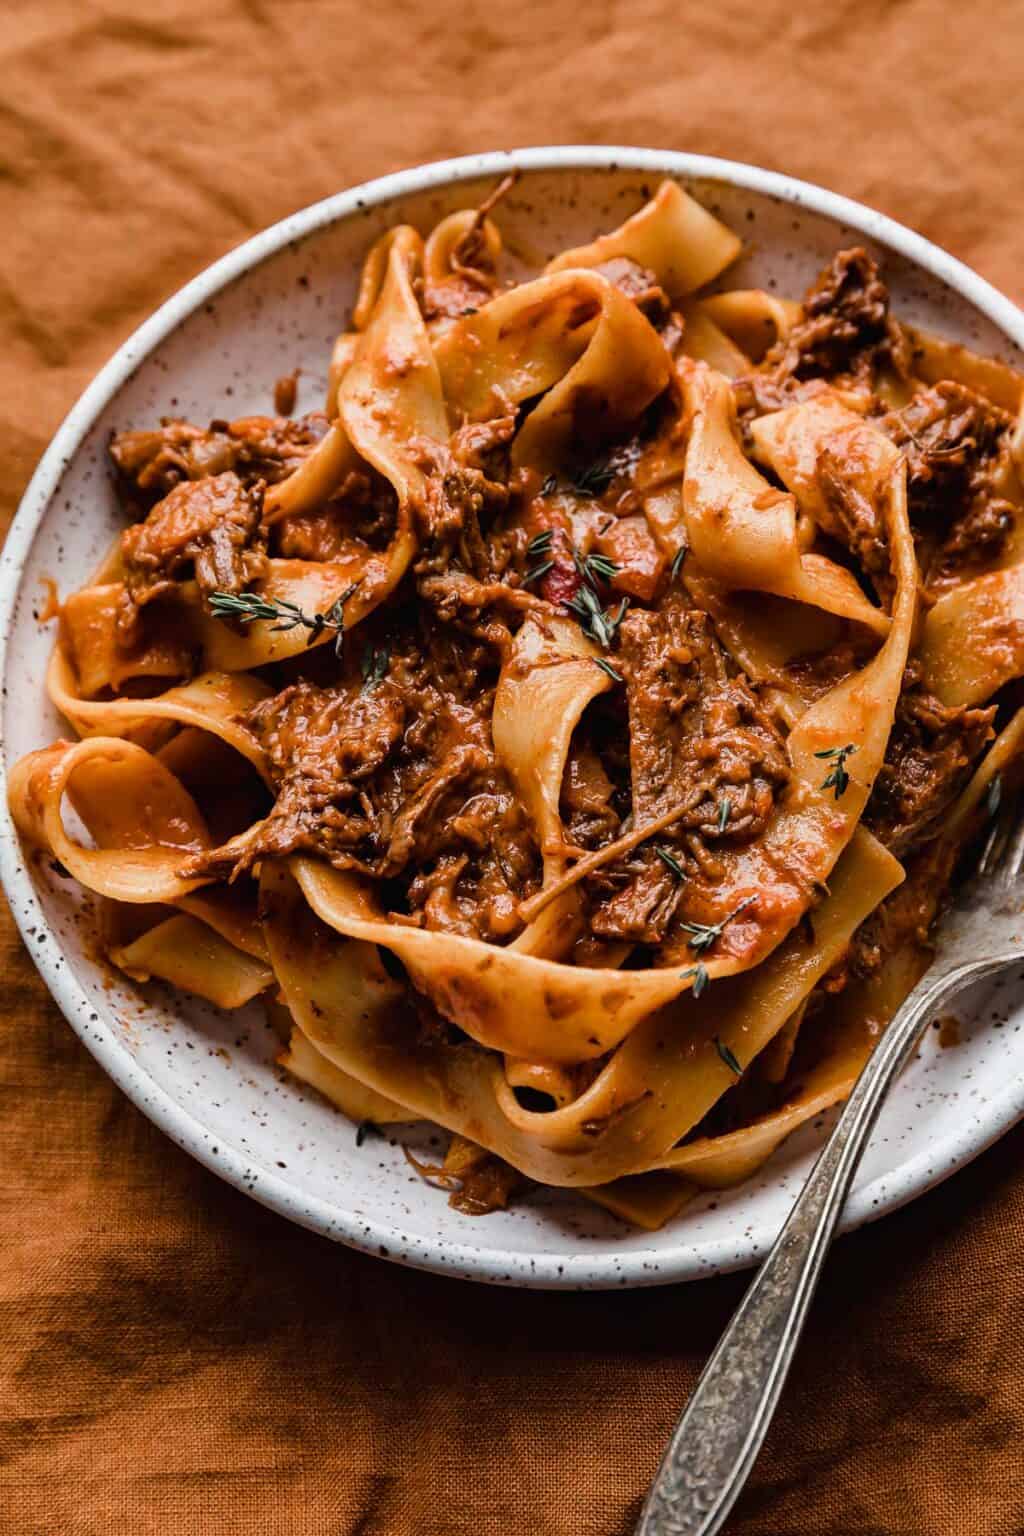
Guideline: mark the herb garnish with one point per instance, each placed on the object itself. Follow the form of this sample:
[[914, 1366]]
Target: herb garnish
[[595, 568], [247, 607], [670, 861], [606, 666], [374, 666], [677, 562], [600, 624], [595, 479], [597, 622], [550, 485], [838, 778], [728, 1057], [700, 978], [994, 798], [724, 812], [703, 935]]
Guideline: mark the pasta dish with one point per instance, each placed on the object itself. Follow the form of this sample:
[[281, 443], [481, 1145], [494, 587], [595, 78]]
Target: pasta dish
[[571, 731]]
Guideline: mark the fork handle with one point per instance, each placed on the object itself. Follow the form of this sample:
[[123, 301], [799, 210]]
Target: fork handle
[[724, 1424]]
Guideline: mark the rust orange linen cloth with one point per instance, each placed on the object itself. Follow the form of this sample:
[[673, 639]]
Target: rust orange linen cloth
[[173, 1358]]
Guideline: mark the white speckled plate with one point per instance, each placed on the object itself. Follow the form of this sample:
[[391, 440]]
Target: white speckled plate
[[208, 1079]]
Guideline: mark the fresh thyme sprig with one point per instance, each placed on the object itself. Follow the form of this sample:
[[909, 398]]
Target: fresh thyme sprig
[[677, 562], [539, 550], [724, 812], [700, 978], [597, 622], [374, 666], [838, 778], [728, 1057], [595, 567], [606, 666], [247, 607], [600, 624], [595, 479], [670, 861], [703, 935]]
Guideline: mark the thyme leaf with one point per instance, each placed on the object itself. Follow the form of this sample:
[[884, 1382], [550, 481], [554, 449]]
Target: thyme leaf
[[724, 812], [606, 666], [247, 607], [700, 978], [703, 935], [599, 623], [594, 568], [537, 572], [670, 861], [837, 778], [374, 666], [595, 479], [677, 562], [550, 485], [728, 1057]]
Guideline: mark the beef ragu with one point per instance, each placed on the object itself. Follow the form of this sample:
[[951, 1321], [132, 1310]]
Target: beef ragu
[[599, 678]]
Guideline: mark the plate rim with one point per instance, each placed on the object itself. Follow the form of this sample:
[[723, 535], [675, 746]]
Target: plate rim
[[565, 1270]]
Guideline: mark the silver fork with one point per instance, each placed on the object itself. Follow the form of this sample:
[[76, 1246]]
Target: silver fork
[[724, 1424]]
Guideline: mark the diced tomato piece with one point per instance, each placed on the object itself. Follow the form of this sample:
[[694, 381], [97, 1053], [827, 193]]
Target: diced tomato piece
[[642, 565]]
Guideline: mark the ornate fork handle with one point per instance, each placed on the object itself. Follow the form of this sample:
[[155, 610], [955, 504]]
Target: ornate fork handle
[[724, 1424]]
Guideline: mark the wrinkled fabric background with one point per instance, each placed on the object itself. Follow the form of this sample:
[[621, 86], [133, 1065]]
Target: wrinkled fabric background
[[174, 1359]]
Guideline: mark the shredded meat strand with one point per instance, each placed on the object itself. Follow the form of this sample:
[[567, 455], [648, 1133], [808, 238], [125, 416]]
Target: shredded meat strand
[[211, 526], [932, 751]]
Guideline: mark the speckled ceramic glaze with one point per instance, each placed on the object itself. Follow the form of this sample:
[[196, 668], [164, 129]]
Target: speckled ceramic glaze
[[208, 1079]]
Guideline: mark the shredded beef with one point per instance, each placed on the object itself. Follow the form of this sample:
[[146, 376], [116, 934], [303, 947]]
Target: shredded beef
[[322, 535], [322, 745], [212, 525], [638, 283], [957, 446], [932, 750], [846, 327], [846, 331], [587, 796], [267, 448], [466, 479], [855, 520], [399, 781], [699, 738], [904, 918]]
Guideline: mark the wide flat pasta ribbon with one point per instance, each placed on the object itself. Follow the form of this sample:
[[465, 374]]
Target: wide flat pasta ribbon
[[572, 338], [972, 640], [547, 681], [792, 441], [741, 530], [658, 1084], [141, 816], [211, 702], [673, 236], [192, 955]]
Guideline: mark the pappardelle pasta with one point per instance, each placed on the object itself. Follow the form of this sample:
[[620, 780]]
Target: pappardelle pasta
[[572, 731]]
